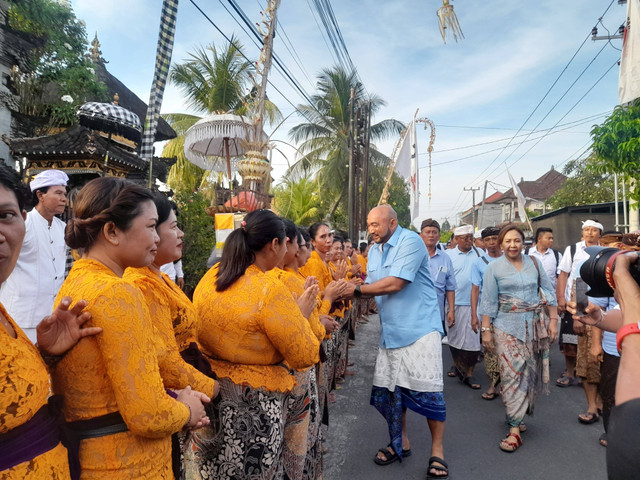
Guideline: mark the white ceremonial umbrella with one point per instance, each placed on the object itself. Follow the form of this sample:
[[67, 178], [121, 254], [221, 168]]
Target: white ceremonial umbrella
[[216, 142]]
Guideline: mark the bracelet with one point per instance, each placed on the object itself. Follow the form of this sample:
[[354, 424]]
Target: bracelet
[[49, 360], [624, 331], [485, 329], [602, 315]]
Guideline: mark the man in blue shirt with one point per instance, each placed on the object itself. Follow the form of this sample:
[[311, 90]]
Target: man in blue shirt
[[463, 336], [441, 270], [408, 371]]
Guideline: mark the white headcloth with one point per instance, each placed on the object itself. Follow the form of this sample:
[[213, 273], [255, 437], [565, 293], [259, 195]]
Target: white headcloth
[[49, 178]]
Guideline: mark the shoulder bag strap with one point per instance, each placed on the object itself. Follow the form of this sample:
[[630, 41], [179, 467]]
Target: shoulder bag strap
[[538, 269]]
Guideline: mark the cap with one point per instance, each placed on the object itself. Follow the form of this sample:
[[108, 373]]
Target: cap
[[490, 232]]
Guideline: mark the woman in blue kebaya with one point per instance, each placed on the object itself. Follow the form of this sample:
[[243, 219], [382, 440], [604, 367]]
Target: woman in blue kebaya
[[514, 326]]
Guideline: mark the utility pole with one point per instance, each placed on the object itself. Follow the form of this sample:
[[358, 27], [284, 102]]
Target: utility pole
[[352, 169], [473, 211], [365, 165], [484, 197]]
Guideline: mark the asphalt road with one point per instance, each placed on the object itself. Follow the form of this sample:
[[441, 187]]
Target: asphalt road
[[555, 446]]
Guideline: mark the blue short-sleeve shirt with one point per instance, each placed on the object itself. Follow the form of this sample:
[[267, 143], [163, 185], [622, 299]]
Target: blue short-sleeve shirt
[[411, 313], [443, 277]]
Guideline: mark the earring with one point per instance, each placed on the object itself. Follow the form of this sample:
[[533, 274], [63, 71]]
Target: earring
[[117, 242]]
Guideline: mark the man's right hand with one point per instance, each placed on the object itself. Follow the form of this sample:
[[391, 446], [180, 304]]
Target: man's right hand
[[562, 305]]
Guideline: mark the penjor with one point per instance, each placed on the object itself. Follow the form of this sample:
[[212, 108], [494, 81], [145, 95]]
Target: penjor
[[447, 20]]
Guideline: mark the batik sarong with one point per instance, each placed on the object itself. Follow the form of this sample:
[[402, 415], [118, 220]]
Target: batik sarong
[[492, 367], [524, 366], [464, 343], [342, 345], [296, 427], [245, 439], [538, 336], [313, 461]]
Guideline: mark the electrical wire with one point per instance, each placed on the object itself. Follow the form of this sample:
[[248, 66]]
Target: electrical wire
[[286, 98], [569, 111], [547, 133], [283, 70], [545, 95], [292, 50], [575, 123]]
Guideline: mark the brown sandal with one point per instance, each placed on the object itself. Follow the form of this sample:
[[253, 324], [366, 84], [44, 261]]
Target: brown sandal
[[508, 446]]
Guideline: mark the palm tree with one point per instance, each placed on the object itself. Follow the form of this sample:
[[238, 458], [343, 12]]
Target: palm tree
[[297, 200], [324, 138], [213, 81]]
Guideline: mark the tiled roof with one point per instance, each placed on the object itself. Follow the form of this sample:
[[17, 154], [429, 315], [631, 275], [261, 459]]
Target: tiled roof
[[73, 142], [541, 189]]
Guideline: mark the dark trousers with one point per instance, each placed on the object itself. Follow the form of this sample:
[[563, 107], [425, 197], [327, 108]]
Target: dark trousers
[[608, 377]]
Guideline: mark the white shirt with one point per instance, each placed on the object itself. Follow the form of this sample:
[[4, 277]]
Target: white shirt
[[550, 265], [174, 270], [29, 292], [567, 266]]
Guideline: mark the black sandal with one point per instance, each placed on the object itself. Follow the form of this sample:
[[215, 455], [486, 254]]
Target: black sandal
[[444, 468], [468, 381], [390, 457]]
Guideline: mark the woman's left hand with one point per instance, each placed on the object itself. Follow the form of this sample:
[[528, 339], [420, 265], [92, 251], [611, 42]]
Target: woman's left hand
[[61, 330], [553, 330], [487, 341]]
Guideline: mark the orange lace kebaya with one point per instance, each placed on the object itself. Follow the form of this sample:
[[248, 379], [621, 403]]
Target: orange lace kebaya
[[254, 331], [24, 389], [173, 316], [117, 370]]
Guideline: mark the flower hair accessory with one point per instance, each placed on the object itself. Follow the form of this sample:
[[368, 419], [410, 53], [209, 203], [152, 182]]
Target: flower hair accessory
[[243, 224]]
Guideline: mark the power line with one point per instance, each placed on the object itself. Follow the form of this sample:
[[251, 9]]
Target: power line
[[245, 19], [574, 106], [292, 51], [548, 132], [546, 94], [575, 123], [245, 57], [563, 95], [315, 18]]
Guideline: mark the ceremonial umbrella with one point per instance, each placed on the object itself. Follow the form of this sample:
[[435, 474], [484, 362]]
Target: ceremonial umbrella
[[214, 141], [112, 119]]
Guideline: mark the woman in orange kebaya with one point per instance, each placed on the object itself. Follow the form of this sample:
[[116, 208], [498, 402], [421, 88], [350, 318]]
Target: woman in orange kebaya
[[29, 436], [114, 395], [254, 332], [172, 313], [301, 452], [174, 317]]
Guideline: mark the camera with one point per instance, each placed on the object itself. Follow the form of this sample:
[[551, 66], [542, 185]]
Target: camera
[[598, 270]]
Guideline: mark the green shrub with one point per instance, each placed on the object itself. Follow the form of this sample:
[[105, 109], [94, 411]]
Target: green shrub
[[199, 237]]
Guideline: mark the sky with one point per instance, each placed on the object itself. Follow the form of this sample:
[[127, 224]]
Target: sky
[[522, 68]]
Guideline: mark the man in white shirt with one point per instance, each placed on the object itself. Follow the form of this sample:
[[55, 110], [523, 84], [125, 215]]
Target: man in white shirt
[[571, 260], [174, 271], [29, 292], [544, 252]]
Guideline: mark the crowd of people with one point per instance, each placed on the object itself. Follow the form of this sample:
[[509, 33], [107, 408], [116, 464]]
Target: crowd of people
[[109, 370]]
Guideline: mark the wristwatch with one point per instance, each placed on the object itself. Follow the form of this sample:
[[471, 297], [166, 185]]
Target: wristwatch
[[624, 331], [357, 292]]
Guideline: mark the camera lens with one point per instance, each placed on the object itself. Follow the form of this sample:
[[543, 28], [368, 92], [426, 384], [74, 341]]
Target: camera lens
[[594, 271]]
